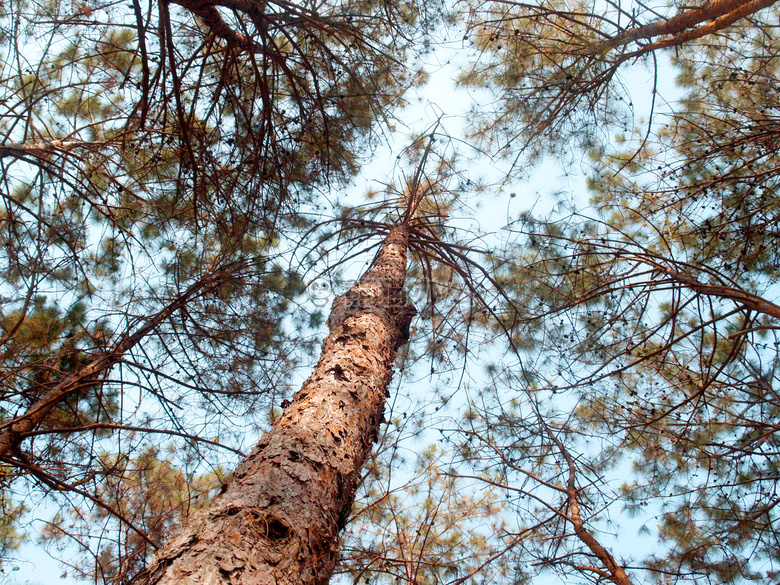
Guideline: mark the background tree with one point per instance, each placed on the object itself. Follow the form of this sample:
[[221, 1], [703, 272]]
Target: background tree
[[560, 67], [646, 321]]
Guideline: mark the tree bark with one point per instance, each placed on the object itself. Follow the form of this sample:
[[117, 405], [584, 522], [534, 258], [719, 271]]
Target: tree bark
[[43, 149], [278, 518], [208, 13]]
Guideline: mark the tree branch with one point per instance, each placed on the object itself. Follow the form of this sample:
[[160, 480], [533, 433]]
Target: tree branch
[[742, 297], [616, 573], [13, 432], [41, 149], [683, 26]]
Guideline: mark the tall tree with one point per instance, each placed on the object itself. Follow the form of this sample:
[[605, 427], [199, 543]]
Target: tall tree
[[151, 157], [277, 520], [279, 516], [630, 369]]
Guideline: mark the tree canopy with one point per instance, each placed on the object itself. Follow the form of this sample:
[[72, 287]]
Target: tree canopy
[[590, 391]]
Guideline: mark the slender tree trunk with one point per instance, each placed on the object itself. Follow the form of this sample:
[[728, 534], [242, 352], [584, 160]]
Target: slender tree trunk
[[278, 518]]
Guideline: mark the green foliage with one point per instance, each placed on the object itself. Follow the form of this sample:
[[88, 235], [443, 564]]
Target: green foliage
[[42, 347], [146, 498], [11, 513], [591, 371]]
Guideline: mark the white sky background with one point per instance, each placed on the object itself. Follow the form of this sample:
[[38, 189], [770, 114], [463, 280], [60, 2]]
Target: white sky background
[[439, 98]]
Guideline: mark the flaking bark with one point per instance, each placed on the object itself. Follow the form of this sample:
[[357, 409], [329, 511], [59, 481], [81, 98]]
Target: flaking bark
[[277, 520]]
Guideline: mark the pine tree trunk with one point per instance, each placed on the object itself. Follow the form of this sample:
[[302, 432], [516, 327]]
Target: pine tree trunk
[[279, 517]]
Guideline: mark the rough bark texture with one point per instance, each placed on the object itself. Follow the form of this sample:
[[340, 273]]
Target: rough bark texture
[[278, 518], [209, 14]]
